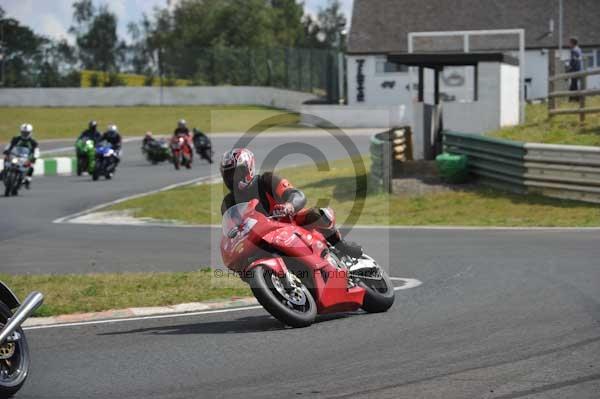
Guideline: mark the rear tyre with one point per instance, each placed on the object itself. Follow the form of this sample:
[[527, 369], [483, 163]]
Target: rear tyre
[[379, 295], [176, 163], [297, 310], [14, 370]]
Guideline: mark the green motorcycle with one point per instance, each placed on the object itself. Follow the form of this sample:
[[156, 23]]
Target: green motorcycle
[[86, 156]]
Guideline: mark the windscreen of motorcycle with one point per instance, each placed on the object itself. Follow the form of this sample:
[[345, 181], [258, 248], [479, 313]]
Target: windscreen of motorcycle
[[21, 152], [234, 220]]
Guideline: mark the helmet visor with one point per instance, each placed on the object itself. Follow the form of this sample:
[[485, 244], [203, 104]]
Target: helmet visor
[[233, 176]]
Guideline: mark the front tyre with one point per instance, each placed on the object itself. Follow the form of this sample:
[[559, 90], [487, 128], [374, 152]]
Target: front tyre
[[379, 291], [10, 181], [294, 307], [14, 359], [79, 167]]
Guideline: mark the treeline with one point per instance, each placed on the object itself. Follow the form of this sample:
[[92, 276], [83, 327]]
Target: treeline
[[267, 42]]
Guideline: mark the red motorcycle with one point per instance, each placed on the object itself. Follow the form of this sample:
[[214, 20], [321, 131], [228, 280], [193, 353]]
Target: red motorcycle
[[181, 148], [294, 273]]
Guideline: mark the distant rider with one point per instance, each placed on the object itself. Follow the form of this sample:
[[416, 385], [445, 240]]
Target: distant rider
[[277, 196], [113, 137], [91, 133], [25, 139], [183, 131], [202, 144], [148, 140]]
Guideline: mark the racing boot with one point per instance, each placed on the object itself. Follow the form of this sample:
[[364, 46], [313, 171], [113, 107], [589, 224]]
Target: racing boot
[[27, 182], [349, 248]]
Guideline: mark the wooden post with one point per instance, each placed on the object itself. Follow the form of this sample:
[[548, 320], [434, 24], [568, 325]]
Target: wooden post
[[582, 87], [551, 73]]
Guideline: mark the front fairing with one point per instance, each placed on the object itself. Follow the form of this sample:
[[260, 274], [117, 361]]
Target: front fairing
[[245, 236]]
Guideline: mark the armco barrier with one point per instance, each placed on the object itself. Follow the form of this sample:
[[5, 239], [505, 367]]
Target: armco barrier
[[560, 171], [63, 166]]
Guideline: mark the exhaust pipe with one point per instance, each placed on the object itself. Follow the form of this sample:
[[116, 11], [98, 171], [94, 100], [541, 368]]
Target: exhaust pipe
[[29, 305]]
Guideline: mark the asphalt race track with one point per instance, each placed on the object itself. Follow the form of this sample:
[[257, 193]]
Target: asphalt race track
[[500, 314]]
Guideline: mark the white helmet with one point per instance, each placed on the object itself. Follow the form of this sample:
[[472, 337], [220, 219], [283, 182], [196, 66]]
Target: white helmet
[[113, 128], [26, 130], [182, 123]]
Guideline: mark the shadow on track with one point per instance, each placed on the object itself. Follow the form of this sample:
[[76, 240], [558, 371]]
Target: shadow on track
[[243, 325]]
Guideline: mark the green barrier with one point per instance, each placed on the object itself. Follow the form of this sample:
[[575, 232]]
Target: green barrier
[[452, 167], [50, 167]]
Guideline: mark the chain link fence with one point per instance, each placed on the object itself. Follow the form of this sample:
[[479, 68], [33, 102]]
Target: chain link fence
[[313, 71]]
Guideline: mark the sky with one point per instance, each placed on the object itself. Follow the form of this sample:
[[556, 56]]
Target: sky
[[53, 17]]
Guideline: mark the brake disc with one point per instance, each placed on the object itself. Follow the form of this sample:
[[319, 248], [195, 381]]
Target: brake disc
[[295, 296], [7, 349]]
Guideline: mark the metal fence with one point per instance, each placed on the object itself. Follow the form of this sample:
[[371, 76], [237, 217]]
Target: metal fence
[[315, 71], [560, 171], [556, 89]]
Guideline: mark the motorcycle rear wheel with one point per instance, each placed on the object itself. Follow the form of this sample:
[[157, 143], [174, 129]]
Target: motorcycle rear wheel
[[263, 287], [13, 371]]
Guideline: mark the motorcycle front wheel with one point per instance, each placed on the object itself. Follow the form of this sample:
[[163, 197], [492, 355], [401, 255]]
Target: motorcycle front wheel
[[96, 174], [294, 306], [10, 183], [7, 186], [14, 359], [379, 295]]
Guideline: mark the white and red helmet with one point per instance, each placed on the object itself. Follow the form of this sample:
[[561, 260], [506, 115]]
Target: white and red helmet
[[237, 168]]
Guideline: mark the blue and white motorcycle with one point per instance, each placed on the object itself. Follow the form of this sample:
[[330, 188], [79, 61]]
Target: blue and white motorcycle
[[107, 160]]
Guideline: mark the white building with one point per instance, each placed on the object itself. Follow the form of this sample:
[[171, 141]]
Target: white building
[[381, 27]]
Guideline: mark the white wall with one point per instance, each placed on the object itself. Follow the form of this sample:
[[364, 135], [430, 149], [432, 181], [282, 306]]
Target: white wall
[[129, 96], [509, 95], [374, 93], [481, 115], [354, 116]]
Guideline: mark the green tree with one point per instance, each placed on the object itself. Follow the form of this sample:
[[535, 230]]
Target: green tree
[[96, 36], [331, 23], [287, 22], [22, 52]]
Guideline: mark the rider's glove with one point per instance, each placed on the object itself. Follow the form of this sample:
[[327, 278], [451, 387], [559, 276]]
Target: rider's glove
[[285, 209]]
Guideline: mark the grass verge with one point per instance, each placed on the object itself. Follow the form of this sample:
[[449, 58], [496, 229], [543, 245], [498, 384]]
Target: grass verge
[[56, 123], [65, 294], [563, 129], [471, 207]]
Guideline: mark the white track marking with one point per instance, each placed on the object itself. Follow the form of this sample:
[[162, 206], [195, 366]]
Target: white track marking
[[408, 283]]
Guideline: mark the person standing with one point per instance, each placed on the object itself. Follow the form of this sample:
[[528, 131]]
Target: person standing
[[575, 65]]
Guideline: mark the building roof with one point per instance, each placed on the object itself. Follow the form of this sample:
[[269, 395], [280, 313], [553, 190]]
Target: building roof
[[382, 26], [434, 60]]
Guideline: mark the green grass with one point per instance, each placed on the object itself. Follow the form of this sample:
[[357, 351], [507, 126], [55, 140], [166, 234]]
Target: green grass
[[54, 123], [65, 294], [563, 129], [472, 207]]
